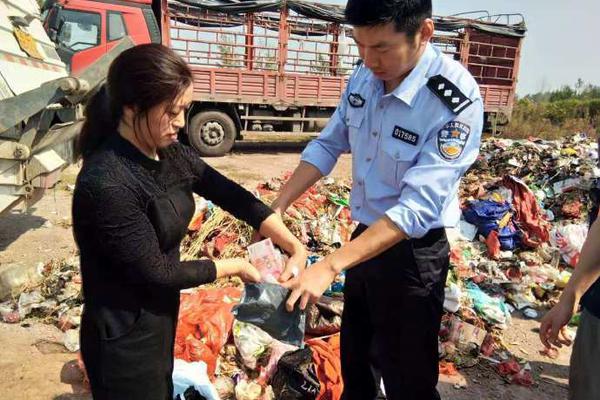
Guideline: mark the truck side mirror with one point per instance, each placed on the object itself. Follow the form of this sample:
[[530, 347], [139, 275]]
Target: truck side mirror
[[54, 22]]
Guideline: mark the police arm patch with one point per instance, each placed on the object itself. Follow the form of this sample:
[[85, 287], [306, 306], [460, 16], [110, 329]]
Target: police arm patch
[[449, 94], [452, 139]]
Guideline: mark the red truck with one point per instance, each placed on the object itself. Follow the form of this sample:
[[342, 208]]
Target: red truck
[[274, 66]]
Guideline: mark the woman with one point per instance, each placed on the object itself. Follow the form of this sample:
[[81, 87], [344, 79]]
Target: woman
[[131, 208], [583, 288]]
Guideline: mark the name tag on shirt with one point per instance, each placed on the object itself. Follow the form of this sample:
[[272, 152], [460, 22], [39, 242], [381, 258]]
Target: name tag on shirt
[[405, 135]]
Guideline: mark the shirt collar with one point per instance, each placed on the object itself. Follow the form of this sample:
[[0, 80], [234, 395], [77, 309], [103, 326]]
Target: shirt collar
[[417, 78], [127, 149]]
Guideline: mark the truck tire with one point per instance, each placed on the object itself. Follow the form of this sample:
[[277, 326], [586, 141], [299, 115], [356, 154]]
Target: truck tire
[[212, 133]]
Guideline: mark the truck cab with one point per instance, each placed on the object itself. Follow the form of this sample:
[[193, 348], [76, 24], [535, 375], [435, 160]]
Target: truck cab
[[84, 30]]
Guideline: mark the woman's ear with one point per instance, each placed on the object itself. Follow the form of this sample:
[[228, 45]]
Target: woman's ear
[[128, 115]]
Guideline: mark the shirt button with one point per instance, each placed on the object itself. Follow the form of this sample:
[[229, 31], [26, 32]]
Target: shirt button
[[374, 133], [382, 106], [360, 183], [368, 159], [358, 207]]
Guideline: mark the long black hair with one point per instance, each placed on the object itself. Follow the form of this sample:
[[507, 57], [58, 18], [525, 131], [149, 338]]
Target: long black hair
[[141, 77]]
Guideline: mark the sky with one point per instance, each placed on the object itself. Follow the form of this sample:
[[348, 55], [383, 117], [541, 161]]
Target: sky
[[562, 42]]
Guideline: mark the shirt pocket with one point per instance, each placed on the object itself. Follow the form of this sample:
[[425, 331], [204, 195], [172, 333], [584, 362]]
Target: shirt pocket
[[394, 159], [355, 117]]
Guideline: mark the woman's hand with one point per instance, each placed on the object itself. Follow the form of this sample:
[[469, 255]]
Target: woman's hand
[[237, 267], [552, 328]]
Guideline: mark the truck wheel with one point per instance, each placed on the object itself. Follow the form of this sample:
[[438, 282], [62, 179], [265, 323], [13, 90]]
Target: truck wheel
[[212, 133]]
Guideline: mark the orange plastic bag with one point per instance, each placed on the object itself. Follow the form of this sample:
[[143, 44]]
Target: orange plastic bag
[[326, 356], [204, 326], [448, 368]]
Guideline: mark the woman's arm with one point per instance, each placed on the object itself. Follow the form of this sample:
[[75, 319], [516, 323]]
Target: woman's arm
[[586, 273], [245, 206]]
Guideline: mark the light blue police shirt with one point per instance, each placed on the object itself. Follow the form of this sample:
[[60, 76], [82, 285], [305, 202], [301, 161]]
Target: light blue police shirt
[[410, 147]]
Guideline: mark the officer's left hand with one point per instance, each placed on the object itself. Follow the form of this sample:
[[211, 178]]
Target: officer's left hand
[[310, 285]]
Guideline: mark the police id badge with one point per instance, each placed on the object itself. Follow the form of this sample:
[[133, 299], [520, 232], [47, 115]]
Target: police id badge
[[452, 139]]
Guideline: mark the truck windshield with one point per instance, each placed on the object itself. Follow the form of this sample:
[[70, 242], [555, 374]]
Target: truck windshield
[[79, 30]]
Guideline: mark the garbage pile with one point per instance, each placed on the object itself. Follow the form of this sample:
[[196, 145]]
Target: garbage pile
[[320, 218], [525, 218], [525, 210], [56, 299], [241, 336]]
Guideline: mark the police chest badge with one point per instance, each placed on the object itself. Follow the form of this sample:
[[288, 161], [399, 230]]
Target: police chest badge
[[356, 100], [452, 139]]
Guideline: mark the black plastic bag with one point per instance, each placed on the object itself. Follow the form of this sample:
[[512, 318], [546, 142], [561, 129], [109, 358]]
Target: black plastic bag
[[296, 378], [263, 305], [324, 317], [190, 394]]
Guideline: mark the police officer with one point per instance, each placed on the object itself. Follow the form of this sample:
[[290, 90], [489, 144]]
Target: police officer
[[412, 118]]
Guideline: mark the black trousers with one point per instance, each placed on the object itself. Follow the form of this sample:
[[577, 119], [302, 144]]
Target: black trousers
[[135, 364], [393, 306]]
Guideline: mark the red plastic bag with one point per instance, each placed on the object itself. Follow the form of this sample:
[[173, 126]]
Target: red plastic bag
[[493, 245], [509, 368], [204, 326], [528, 213]]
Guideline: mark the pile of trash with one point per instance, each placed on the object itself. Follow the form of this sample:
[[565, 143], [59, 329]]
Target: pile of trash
[[320, 218], [55, 298], [242, 338], [525, 217], [525, 210]]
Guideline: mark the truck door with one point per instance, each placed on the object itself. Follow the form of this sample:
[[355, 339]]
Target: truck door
[[116, 28], [80, 37]]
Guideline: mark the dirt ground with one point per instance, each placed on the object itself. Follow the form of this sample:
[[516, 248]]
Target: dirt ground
[[34, 365]]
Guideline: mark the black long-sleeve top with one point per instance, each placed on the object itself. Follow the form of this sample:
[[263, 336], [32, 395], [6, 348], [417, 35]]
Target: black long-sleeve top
[[130, 214]]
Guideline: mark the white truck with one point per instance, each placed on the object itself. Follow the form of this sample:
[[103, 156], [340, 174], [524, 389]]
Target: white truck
[[41, 105]]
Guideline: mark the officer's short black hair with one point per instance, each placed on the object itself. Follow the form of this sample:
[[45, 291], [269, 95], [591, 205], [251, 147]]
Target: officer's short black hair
[[407, 15]]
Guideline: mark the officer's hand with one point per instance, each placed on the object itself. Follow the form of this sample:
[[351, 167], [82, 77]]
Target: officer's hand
[[552, 328], [310, 285], [295, 265]]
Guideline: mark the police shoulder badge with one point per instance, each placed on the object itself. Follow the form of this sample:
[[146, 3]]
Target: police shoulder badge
[[356, 100], [452, 139]]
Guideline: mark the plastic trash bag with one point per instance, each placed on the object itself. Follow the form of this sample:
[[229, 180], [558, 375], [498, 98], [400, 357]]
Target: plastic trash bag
[[452, 298], [486, 214], [277, 350], [204, 325], [251, 341], [192, 374], [569, 239], [492, 309], [263, 305], [296, 377], [324, 317]]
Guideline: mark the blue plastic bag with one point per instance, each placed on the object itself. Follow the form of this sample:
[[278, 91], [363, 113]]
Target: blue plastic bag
[[485, 215]]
